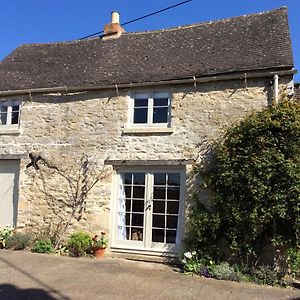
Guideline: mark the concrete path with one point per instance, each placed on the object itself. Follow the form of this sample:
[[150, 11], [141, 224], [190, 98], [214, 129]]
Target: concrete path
[[28, 276]]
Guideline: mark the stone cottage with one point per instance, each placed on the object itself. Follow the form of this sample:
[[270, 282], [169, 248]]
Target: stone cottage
[[133, 109]]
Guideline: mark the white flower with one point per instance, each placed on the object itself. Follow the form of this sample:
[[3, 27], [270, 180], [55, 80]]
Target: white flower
[[183, 261], [188, 255], [194, 253]]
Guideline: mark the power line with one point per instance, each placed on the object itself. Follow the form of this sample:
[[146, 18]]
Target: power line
[[140, 18]]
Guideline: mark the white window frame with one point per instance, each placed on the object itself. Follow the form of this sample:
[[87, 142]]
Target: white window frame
[[146, 246], [149, 123], [10, 103]]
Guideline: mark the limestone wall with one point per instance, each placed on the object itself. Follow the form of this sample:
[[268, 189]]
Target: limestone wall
[[64, 128]]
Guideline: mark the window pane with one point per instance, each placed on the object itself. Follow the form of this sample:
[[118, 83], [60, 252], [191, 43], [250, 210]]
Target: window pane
[[141, 95], [128, 205], [137, 220], [172, 222], [138, 205], [174, 179], [173, 207], [173, 193], [159, 207], [160, 178], [138, 192], [158, 221], [128, 191], [160, 115], [159, 193], [3, 118], [15, 118], [140, 115], [15, 108], [140, 102], [161, 102], [128, 219], [139, 178], [161, 95], [171, 236], [128, 178], [137, 234], [158, 235], [3, 108]]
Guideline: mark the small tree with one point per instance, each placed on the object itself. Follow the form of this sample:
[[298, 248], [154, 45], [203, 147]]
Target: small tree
[[66, 189], [254, 174]]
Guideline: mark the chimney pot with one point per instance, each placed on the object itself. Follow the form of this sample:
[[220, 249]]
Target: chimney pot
[[115, 17], [114, 29]]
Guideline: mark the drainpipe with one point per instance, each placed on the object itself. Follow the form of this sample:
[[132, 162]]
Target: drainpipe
[[276, 88]]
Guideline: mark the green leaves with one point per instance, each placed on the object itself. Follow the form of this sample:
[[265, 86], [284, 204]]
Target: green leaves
[[255, 176]]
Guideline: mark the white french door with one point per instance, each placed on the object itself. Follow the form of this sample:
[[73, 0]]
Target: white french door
[[149, 210]]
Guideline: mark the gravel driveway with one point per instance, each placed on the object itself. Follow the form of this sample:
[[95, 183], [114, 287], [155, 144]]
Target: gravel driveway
[[24, 275]]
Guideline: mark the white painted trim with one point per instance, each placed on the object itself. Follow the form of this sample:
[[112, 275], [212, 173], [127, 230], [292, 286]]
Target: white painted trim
[[148, 130], [150, 92], [146, 245], [9, 128]]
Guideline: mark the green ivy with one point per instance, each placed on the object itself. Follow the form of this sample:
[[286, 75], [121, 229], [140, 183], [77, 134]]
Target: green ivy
[[254, 174]]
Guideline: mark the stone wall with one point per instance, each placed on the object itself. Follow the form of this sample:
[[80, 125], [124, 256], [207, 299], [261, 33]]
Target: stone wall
[[64, 128]]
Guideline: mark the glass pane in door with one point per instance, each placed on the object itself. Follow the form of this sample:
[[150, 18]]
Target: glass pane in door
[[165, 211], [131, 207]]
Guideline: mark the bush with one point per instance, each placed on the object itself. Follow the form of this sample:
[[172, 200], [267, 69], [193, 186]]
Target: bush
[[43, 246], [265, 275], [4, 234], [49, 232], [18, 241], [254, 176], [293, 261], [193, 264], [79, 244], [224, 271]]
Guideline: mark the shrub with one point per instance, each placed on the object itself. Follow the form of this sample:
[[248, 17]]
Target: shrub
[[254, 176], [79, 244], [265, 275], [4, 234], [49, 232], [192, 264], [224, 271], [18, 241], [293, 261], [62, 250], [43, 246]]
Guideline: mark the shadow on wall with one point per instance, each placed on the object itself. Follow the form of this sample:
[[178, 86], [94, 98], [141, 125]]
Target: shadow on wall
[[11, 292]]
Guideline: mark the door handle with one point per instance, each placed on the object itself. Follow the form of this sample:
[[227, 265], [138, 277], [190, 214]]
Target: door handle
[[148, 205]]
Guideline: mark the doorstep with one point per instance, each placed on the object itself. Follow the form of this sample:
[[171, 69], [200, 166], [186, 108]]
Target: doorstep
[[163, 259]]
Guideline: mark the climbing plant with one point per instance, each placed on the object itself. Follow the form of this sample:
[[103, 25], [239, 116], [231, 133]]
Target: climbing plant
[[254, 175], [66, 189]]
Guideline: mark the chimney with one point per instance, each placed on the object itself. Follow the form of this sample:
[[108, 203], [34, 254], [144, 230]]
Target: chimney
[[114, 29]]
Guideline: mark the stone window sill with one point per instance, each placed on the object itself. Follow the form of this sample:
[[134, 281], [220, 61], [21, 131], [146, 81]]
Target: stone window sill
[[9, 131], [148, 130]]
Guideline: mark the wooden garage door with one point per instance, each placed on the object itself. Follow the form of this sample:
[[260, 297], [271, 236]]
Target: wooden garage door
[[9, 181]]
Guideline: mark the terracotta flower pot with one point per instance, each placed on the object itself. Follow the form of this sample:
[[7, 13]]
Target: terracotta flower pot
[[99, 252]]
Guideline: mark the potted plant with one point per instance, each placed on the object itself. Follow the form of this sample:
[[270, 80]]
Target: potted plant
[[99, 245]]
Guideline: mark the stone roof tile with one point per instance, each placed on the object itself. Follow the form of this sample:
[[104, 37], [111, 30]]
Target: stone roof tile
[[253, 42]]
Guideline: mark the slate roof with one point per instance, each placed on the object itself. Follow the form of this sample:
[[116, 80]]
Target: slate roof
[[251, 42]]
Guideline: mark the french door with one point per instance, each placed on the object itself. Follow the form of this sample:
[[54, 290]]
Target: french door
[[149, 210]]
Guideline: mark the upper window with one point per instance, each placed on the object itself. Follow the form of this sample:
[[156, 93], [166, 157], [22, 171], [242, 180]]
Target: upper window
[[9, 112], [151, 108]]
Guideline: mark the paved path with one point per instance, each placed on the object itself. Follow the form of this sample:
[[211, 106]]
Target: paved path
[[28, 276]]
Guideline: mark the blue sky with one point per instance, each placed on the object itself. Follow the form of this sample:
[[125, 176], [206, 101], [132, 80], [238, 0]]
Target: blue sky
[[41, 21]]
